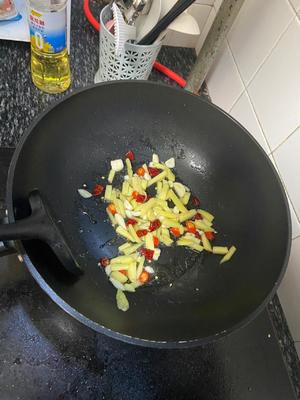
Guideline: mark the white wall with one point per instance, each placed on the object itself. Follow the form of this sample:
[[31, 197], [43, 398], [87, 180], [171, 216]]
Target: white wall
[[200, 10], [257, 80]]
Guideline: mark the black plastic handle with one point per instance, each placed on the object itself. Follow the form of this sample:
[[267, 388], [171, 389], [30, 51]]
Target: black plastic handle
[[24, 229], [173, 13], [40, 225]]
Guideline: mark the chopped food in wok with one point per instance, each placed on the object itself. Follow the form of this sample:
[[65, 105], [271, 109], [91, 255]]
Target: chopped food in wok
[[148, 223]]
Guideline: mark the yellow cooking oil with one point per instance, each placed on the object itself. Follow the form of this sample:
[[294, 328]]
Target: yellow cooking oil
[[50, 67], [50, 72]]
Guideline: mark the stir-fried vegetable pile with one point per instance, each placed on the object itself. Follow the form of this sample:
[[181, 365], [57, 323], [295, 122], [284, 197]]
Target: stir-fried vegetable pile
[[150, 222]]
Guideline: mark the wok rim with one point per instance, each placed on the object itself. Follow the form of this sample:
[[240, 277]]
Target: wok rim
[[82, 318]]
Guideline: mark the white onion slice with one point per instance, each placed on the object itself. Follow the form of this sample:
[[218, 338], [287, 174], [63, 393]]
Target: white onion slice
[[84, 193]]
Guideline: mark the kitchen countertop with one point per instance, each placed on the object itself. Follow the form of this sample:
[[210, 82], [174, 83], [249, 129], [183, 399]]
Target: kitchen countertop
[[45, 354], [18, 97]]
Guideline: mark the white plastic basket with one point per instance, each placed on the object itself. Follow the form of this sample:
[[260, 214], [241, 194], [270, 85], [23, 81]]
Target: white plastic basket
[[134, 62]]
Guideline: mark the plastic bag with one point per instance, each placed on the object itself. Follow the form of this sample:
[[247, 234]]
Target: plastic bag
[[8, 11]]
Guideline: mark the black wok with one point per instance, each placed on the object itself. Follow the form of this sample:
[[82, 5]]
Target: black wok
[[72, 144]]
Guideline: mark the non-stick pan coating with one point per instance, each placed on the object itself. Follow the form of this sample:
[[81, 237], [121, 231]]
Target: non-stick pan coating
[[222, 164]]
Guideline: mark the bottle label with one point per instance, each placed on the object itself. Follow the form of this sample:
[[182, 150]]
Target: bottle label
[[48, 30]]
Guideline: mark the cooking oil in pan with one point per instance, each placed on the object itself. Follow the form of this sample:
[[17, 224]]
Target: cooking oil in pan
[[50, 68]]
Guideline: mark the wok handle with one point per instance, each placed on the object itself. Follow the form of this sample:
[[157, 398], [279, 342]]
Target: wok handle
[[40, 225], [27, 228]]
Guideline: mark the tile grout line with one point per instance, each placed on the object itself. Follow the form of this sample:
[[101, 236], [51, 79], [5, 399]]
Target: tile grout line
[[254, 74], [270, 52], [234, 62], [244, 88], [235, 101], [251, 104], [264, 135], [271, 151], [281, 143], [292, 6]]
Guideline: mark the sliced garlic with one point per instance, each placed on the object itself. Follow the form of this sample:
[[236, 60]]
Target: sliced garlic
[[150, 270], [136, 213], [120, 220], [117, 165], [127, 205], [155, 158], [170, 163], [128, 213], [84, 193]]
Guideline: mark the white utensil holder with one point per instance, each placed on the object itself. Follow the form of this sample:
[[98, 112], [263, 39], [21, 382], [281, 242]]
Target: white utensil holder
[[134, 62]]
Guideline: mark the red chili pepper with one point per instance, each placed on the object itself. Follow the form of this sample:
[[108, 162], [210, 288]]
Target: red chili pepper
[[123, 271], [190, 227], [140, 171], [198, 216], [135, 194], [131, 221], [148, 254], [142, 232], [210, 235], [130, 155], [197, 235], [139, 198], [155, 241], [144, 277], [112, 208], [98, 189], [154, 225], [175, 231], [153, 171], [104, 262], [196, 201]]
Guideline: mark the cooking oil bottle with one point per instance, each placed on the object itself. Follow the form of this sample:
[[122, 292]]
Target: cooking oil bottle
[[50, 67]]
